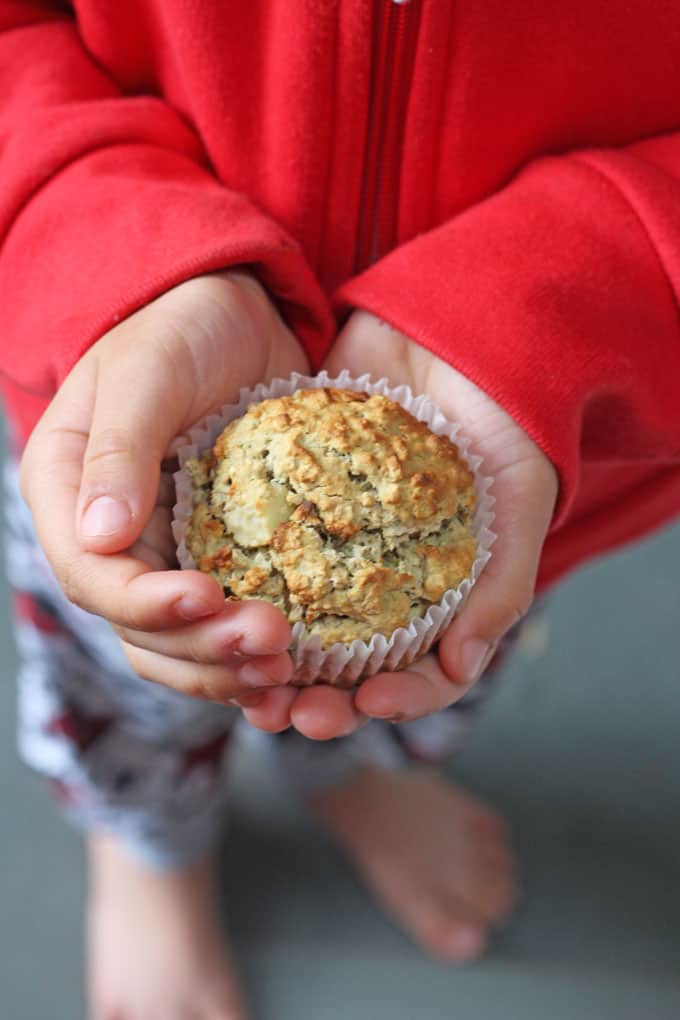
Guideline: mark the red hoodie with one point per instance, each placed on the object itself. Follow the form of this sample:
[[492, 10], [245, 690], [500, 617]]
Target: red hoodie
[[500, 181]]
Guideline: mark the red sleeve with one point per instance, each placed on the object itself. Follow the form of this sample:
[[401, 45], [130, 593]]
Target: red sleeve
[[107, 201], [558, 296]]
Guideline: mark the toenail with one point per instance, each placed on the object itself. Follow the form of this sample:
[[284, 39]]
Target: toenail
[[466, 943]]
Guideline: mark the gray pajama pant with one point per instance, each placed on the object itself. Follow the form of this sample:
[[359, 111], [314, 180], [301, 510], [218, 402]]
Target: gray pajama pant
[[140, 760]]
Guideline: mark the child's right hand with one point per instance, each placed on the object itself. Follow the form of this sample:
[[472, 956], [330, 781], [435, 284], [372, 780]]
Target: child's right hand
[[91, 474]]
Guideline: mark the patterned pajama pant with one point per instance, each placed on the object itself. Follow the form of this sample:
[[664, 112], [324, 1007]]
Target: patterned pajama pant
[[140, 760]]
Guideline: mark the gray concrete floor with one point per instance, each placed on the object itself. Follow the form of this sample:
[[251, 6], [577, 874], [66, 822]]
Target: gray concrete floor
[[579, 749]]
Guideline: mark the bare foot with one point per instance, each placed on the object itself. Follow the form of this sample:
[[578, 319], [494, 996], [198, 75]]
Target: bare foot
[[156, 949], [436, 857]]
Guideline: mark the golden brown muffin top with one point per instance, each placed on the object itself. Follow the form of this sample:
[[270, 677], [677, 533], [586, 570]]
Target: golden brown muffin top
[[339, 507]]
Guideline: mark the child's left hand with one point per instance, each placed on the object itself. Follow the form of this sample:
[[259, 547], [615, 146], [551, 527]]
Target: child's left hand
[[525, 488]]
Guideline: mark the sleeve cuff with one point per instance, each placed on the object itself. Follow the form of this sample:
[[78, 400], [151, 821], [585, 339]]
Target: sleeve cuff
[[115, 229], [550, 297]]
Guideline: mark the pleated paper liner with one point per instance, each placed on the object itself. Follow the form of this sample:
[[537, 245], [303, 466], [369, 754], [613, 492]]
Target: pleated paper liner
[[346, 665]]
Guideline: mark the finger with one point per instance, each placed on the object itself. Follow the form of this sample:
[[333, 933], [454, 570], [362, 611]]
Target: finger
[[323, 713], [141, 403], [525, 498], [499, 599], [124, 588], [269, 710], [408, 695], [167, 494], [128, 593], [209, 682], [365, 342], [242, 629], [157, 537], [525, 487]]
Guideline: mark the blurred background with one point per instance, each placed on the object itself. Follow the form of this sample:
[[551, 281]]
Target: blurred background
[[578, 749]]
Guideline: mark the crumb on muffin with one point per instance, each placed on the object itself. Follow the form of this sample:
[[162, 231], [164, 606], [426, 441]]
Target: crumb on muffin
[[341, 508]]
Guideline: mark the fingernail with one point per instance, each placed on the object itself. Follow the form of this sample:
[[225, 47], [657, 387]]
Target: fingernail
[[190, 607], [251, 645], [251, 676], [249, 700], [475, 654], [393, 717], [105, 516]]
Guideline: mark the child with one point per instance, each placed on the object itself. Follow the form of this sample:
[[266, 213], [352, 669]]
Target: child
[[197, 198]]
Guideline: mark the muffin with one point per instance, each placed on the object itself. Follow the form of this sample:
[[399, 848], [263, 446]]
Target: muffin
[[339, 507]]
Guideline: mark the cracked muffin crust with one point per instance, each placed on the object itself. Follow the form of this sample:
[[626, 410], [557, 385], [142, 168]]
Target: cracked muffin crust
[[340, 508]]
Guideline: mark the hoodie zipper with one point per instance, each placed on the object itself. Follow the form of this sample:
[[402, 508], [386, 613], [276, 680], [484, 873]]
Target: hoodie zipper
[[393, 55]]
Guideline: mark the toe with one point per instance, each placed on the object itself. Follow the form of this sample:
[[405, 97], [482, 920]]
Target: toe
[[489, 824], [495, 861], [497, 900], [488, 892], [450, 930], [442, 922], [462, 943]]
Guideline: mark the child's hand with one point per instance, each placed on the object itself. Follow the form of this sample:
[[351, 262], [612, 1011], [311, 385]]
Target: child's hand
[[91, 475], [525, 489]]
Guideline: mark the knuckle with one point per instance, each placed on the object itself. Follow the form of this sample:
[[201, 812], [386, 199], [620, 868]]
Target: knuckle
[[130, 620], [109, 445], [209, 685], [131, 608], [140, 663], [546, 475], [25, 474], [71, 584], [198, 686], [123, 633], [191, 650], [521, 608], [127, 614]]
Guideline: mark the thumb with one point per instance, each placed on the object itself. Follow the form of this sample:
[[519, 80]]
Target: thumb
[[140, 405], [525, 498]]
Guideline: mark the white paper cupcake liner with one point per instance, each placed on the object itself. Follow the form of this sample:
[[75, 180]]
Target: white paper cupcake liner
[[345, 665]]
